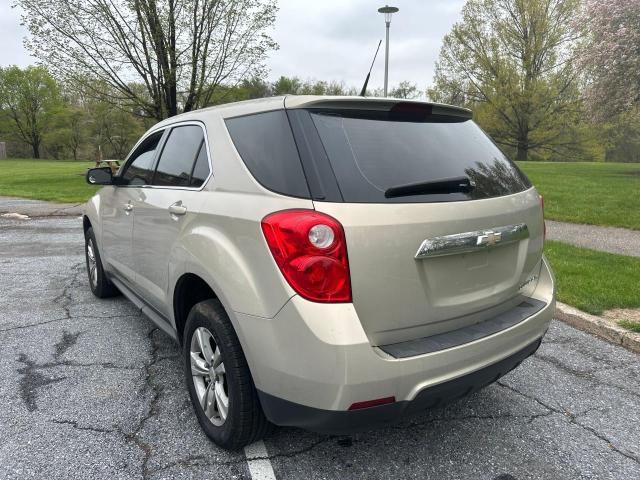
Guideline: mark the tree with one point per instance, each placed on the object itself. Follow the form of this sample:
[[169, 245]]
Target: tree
[[255, 87], [58, 138], [610, 55], [180, 51], [295, 86], [406, 90], [513, 60], [287, 86], [29, 97], [338, 88], [112, 130], [77, 131], [247, 89], [67, 129], [620, 137], [314, 88]]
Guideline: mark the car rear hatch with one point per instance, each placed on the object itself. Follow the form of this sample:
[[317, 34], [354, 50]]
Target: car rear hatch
[[442, 230]]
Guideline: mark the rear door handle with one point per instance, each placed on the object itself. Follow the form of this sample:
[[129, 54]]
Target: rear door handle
[[177, 209]]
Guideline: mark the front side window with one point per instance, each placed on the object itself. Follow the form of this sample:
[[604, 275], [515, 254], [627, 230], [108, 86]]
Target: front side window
[[139, 168], [201, 168], [183, 162]]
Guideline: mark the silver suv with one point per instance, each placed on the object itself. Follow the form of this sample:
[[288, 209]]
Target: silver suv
[[329, 263]]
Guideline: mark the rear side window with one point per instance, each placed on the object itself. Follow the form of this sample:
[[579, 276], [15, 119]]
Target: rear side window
[[266, 145], [371, 152], [139, 169], [184, 146]]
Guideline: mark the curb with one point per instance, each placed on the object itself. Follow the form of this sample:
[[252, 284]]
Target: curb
[[38, 208], [57, 213], [601, 327], [39, 214], [39, 211]]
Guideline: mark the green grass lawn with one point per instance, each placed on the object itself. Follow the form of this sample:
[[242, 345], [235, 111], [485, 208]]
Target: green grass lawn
[[594, 281], [630, 325], [592, 193], [53, 180]]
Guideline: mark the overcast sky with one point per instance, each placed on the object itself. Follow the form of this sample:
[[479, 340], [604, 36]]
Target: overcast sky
[[324, 39]]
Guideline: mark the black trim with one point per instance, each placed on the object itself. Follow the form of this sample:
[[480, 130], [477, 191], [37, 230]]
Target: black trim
[[411, 348], [154, 163], [145, 308], [285, 413], [321, 178]]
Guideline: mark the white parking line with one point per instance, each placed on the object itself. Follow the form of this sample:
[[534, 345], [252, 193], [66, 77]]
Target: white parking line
[[259, 465]]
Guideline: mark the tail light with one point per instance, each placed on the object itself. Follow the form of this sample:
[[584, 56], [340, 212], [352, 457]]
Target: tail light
[[311, 251]]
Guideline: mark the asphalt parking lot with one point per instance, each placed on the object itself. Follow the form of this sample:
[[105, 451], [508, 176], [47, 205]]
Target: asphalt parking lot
[[90, 389]]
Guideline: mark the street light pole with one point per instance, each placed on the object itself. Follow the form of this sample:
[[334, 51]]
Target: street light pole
[[386, 61], [388, 12]]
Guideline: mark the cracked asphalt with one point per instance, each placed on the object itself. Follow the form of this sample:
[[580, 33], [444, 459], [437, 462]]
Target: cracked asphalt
[[91, 389]]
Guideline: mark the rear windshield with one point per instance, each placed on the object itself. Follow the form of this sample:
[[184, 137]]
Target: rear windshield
[[372, 152]]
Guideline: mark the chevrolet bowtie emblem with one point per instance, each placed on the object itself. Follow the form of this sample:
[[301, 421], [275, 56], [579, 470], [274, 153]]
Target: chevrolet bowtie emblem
[[489, 238], [468, 242]]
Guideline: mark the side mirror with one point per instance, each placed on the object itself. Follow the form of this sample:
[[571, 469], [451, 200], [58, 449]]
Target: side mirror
[[100, 176]]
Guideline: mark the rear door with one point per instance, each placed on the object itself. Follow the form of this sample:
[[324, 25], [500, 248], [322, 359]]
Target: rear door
[[413, 179], [119, 205], [165, 207]]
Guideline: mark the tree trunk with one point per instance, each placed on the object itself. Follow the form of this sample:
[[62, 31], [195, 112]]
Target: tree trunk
[[36, 149], [173, 65], [522, 153], [522, 150], [173, 99]]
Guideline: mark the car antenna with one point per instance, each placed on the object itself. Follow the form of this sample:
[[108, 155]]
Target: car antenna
[[366, 81]]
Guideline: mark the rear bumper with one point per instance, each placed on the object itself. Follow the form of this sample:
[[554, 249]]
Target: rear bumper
[[285, 413], [312, 361]]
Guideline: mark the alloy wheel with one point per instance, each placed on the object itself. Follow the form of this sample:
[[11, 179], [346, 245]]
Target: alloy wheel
[[93, 264], [209, 376]]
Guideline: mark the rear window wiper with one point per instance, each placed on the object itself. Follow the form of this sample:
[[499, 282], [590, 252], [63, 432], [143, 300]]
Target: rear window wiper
[[443, 185]]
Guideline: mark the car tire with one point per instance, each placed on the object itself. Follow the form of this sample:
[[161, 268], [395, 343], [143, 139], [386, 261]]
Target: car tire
[[209, 337], [100, 285]]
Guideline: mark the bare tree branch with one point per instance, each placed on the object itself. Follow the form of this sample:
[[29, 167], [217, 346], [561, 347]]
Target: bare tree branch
[[179, 51]]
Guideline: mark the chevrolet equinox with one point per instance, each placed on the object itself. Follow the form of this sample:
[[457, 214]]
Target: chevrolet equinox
[[328, 263]]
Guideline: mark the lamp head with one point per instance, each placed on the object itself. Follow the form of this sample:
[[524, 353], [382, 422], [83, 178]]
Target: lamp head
[[388, 12]]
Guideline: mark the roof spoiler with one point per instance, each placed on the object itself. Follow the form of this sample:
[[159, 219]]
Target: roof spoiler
[[380, 104]]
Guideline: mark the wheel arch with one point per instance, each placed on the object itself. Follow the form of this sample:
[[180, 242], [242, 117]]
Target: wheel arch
[[193, 286], [91, 217], [189, 290]]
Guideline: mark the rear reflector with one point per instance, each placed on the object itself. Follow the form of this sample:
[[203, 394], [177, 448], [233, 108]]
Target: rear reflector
[[372, 403]]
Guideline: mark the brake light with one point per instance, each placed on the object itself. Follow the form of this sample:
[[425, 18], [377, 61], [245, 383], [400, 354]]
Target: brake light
[[311, 251]]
